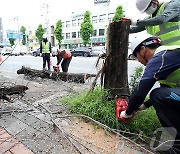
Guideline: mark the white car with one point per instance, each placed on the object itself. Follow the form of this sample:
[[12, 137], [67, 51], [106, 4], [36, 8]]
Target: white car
[[98, 50], [54, 51]]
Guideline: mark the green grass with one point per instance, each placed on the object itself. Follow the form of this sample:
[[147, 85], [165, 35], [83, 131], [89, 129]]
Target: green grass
[[97, 106]]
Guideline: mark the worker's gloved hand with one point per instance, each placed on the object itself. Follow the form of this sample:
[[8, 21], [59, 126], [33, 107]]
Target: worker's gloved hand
[[142, 107], [124, 115], [133, 21]]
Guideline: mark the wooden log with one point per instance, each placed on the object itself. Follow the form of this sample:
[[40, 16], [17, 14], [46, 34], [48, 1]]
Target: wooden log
[[7, 91], [71, 77], [116, 78]]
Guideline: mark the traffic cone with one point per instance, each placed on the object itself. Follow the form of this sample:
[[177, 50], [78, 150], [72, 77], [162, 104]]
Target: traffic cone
[[51, 64], [0, 59]]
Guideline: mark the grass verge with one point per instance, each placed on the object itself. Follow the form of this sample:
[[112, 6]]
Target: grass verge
[[97, 106]]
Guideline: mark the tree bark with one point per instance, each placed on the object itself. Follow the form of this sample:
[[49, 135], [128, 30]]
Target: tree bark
[[116, 77], [71, 77]]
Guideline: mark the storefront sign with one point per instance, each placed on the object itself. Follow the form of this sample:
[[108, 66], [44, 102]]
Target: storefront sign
[[101, 1]]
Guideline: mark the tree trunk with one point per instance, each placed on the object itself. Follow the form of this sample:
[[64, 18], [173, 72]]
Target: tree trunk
[[72, 77], [116, 78]]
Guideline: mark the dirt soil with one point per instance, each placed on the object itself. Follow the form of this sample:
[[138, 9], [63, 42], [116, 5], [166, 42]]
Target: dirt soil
[[85, 136]]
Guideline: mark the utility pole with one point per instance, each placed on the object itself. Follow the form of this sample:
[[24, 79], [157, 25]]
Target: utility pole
[[18, 31], [45, 14]]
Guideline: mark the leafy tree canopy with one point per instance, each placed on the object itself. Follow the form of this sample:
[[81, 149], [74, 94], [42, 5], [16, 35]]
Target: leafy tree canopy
[[58, 32], [39, 33], [86, 28], [118, 14], [23, 31]]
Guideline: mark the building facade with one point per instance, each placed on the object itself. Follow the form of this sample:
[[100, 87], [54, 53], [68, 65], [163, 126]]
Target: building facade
[[71, 30], [1, 31]]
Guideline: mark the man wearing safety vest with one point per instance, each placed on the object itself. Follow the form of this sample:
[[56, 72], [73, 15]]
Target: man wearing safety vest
[[163, 65], [45, 49], [163, 20], [66, 56]]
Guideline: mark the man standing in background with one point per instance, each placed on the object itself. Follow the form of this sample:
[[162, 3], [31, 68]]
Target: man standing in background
[[45, 49]]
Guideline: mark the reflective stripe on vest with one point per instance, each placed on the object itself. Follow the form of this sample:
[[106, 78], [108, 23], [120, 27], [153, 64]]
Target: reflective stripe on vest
[[45, 47], [173, 79], [168, 32], [67, 54]]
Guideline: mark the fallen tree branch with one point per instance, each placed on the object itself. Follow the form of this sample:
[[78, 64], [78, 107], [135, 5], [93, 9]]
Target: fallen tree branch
[[12, 111], [17, 89], [71, 77]]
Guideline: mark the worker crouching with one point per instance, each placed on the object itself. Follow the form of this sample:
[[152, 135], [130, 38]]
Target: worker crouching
[[66, 56]]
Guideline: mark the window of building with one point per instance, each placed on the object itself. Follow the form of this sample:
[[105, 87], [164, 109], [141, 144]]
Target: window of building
[[80, 21], [63, 35], [110, 16], [94, 19], [101, 32], [102, 18], [73, 23], [67, 23], [73, 34], [79, 35], [63, 24], [94, 33], [67, 35]]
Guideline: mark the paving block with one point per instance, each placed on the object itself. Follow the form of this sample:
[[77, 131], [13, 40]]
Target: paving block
[[58, 148], [4, 136], [7, 152], [41, 125], [16, 127], [20, 149], [29, 119], [8, 144], [20, 115], [6, 121], [28, 133]]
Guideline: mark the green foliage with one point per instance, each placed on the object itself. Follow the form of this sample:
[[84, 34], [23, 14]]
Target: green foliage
[[86, 28], [97, 106], [39, 33], [58, 32], [23, 30], [135, 78], [118, 14], [11, 41]]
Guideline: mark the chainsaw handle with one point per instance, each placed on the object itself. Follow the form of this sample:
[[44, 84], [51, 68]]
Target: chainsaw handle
[[122, 96]]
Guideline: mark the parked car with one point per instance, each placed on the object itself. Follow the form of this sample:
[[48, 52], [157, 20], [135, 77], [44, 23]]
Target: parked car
[[54, 51], [36, 52], [98, 50], [82, 51], [6, 51]]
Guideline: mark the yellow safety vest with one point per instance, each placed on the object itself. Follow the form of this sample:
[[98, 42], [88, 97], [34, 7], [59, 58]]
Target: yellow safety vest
[[168, 32], [173, 79], [45, 47]]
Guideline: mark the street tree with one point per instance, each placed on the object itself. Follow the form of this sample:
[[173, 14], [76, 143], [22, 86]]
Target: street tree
[[11, 41], [39, 33], [23, 31], [86, 28], [118, 14], [58, 32]]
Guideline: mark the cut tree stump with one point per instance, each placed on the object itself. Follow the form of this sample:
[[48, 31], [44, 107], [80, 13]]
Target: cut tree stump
[[71, 77], [115, 75]]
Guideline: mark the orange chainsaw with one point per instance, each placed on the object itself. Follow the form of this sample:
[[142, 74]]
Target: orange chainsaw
[[56, 69], [121, 105]]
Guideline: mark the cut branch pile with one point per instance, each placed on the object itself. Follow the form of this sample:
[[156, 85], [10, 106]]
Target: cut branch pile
[[71, 77], [7, 91]]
